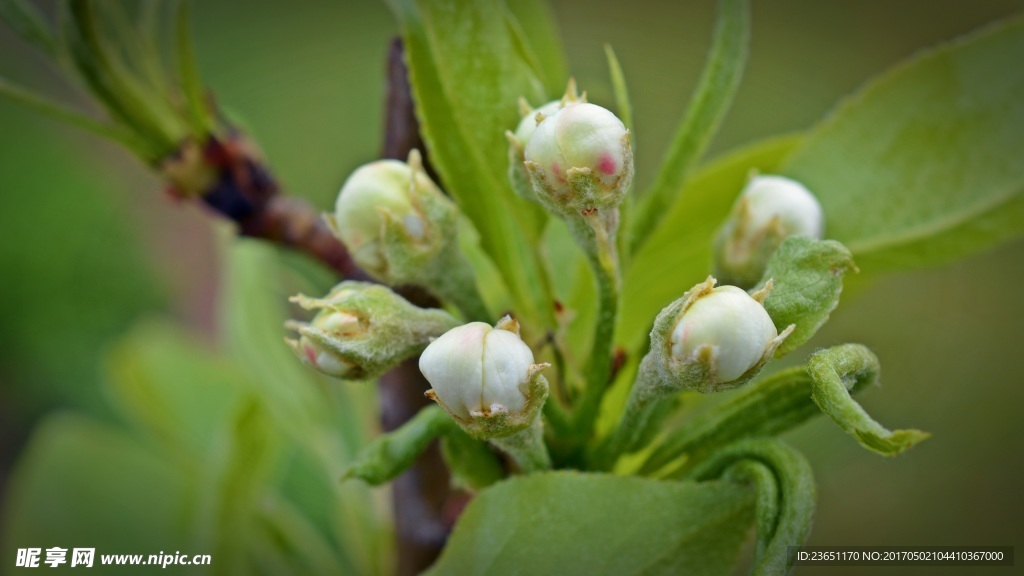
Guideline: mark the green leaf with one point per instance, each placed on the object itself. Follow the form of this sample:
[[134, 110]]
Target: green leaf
[[782, 402], [388, 455], [80, 483], [923, 165], [835, 371], [541, 523], [710, 101], [24, 19], [785, 496], [173, 388], [536, 22], [678, 255], [807, 278], [468, 68]]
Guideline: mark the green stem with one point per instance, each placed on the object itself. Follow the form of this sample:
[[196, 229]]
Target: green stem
[[526, 448], [456, 284], [389, 455], [646, 408], [595, 232]]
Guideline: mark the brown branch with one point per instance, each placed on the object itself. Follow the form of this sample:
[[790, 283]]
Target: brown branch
[[421, 495], [236, 184]]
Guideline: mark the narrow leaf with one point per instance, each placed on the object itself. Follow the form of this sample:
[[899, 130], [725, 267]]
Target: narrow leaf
[[807, 278], [61, 113], [25, 20], [390, 454], [835, 371], [191, 84], [600, 525], [467, 74], [710, 102], [923, 165]]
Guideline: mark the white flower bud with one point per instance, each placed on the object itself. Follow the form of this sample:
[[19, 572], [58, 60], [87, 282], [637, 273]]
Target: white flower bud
[[518, 140], [580, 159], [714, 338], [392, 217], [362, 329], [769, 210], [485, 378]]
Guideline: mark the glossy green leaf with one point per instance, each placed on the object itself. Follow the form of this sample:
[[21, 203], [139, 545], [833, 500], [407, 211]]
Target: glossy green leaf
[[468, 67], [678, 255], [923, 165], [807, 278], [785, 496], [708, 106], [599, 524]]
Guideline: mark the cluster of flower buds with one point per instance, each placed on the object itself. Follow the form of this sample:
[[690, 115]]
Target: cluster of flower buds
[[485, 378], [362, 329], [577, 156], [713, 339], [394, 220], [769, 210]]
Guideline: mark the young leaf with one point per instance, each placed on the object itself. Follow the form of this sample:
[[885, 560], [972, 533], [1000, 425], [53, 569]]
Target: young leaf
[[923, 165], [678, 255], [835, 371], [782, 402], [521, 526], [709, 103], [807, 278], [785, 496], [468, 70], [389, 455]]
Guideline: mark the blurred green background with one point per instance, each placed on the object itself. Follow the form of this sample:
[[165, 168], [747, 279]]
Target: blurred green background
[[90, 246]]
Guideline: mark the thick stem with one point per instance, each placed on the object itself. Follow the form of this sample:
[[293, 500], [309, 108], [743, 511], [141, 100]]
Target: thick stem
[[422, 495], [526, 448]]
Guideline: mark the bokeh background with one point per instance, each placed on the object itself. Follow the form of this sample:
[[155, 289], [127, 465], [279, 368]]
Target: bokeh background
[[89, 246]]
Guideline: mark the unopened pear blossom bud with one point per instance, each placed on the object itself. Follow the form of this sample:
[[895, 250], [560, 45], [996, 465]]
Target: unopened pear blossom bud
[[713, 339], [485, 378], [580, 159], [362, 329], [518, 140], [769, 210], [393, 219]]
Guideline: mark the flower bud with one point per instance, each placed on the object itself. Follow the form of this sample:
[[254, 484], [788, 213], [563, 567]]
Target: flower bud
[[362, 329], [769, 210], [580, 159], [518, 140], [485, 378], [713, 339], [393, 219]]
